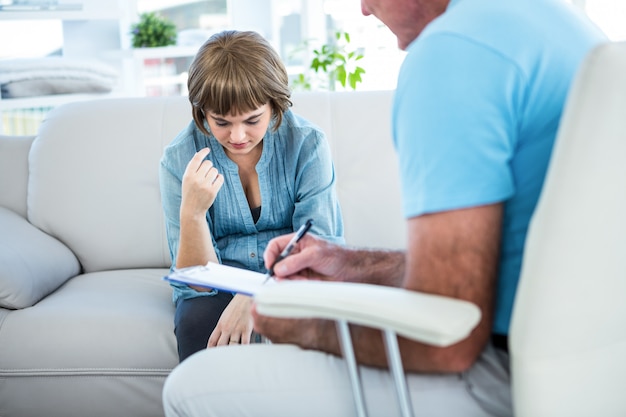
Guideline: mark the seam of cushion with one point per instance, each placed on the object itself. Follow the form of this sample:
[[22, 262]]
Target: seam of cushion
[[83, 372]]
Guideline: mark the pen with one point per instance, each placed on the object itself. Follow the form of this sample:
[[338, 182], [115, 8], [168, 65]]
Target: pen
[[290, 246]]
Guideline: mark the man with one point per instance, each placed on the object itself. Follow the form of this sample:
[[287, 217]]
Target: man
[[476, 111]]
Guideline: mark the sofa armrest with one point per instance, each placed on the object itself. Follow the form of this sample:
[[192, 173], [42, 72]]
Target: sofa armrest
[[14, 152], [33, 264], [428, 318]]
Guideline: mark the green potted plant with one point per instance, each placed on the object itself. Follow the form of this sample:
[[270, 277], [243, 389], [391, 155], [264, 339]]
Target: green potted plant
[[335, 62], [153, 30]]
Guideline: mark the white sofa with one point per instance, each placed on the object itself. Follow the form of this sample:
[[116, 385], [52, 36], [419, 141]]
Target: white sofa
[[86, 321]]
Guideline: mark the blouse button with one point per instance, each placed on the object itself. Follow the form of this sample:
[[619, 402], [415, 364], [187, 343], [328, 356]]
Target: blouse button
[[252, 254]]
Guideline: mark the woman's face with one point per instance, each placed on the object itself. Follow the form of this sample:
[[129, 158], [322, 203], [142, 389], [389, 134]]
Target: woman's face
[[240, 134]]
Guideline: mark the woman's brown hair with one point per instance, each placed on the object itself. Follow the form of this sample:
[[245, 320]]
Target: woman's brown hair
[[236, 72]]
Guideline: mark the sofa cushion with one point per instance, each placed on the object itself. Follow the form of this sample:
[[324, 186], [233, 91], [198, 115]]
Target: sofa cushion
[[100, 346], [33, 263]]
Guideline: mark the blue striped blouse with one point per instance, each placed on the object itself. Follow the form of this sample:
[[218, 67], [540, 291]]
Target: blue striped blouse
[[296, 179]]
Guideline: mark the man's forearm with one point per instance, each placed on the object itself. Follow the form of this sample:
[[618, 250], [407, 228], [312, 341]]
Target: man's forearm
[[370, 349], [380, 267]]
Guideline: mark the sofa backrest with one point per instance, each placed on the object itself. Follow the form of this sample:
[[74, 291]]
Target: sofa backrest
[[14, 172], [358, 127], [93, 173], [93, 179]]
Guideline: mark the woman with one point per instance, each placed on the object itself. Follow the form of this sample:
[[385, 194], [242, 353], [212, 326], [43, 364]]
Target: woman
[[245, 170]]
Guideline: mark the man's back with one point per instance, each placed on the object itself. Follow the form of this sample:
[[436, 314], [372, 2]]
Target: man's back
[[483, 88]]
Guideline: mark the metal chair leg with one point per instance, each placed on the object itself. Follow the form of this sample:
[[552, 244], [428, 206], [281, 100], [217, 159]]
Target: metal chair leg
[[345, 341], [397, 371], [395, 365]]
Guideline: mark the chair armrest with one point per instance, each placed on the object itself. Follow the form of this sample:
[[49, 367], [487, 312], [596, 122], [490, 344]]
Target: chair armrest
[[428, 318]]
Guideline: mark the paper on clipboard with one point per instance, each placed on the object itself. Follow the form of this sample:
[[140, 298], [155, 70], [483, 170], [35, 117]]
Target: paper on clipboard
[[221, 277]]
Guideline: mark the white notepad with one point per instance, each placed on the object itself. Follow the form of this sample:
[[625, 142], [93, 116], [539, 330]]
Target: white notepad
[[221, 277]]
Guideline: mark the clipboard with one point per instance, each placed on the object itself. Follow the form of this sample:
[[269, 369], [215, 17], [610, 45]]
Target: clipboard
[[221, 277]]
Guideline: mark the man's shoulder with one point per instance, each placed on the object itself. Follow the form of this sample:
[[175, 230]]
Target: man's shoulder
[[513, 25], [519, 36]]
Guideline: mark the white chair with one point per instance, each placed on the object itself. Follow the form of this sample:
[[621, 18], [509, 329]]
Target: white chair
[[436, 320], [568, 337]]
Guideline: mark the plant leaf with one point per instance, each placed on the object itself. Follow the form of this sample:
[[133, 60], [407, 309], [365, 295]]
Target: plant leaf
[[341, 75]]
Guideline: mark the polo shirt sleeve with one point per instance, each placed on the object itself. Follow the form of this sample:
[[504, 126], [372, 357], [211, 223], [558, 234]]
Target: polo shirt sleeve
[[455, 124]]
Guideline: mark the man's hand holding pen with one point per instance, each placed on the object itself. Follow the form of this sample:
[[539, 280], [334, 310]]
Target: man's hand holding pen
[[311, 258], [288, 248]]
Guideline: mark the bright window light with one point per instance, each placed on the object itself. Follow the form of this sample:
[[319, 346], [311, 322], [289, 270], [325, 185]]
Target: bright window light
[[30, 38]]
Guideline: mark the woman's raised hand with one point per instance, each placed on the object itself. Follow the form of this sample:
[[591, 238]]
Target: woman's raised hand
[[201, 183]]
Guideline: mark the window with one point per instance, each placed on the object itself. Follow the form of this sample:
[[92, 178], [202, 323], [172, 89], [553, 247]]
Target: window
[[30, 38], [316, 21], [190, 15], [610, 15]]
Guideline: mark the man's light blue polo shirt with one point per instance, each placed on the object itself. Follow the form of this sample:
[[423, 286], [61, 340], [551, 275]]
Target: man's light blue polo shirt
[[477, 109]]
